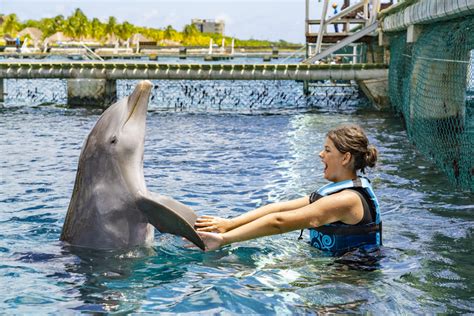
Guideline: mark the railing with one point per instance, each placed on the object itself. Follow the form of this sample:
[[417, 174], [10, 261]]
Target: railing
[[90, 53], [124, 70], [361, 13]]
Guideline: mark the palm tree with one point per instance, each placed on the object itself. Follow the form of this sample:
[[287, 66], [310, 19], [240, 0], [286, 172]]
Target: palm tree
[[125, 30], [190, 31], [77, 25], [110, 28], [170, 32], [97, 29], [49, 26], [11, 24]]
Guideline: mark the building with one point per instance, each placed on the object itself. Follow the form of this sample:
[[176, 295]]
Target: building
[[57, 38], [209, 26], [138, 38], [33, 33]]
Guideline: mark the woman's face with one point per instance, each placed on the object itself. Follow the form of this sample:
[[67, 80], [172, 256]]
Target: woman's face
[[332, 160]]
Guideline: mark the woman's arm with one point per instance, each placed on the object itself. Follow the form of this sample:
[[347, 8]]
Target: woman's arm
[[344, 206], [210, 223]]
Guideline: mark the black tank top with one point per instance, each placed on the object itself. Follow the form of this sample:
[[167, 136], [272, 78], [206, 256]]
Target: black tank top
[[367, 205]]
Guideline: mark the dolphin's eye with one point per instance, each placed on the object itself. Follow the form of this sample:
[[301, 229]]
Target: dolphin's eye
[[113, 140]]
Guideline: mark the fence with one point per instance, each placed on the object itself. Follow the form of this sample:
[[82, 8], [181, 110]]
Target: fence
[[431, 84]]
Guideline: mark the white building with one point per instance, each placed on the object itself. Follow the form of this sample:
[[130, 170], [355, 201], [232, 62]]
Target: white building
[[209, 26]]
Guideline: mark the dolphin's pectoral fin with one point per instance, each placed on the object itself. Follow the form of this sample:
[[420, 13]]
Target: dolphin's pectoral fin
[[170, 216]]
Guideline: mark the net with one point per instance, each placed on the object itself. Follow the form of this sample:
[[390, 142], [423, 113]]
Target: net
[[431, 84]]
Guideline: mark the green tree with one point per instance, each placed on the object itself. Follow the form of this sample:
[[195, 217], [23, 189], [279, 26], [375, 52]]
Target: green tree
[[190, 31], [97, 29], [11, 24], [31, 23], [170, 33], [110, 28], [125, 30], [49, 26], [77, 25]]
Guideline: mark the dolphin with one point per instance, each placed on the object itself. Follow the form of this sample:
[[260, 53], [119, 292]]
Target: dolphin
[[110, 207]]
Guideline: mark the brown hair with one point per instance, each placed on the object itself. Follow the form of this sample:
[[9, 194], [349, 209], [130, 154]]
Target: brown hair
[[352, 139]]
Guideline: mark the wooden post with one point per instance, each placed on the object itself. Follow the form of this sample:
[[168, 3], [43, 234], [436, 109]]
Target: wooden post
[[306, 29], [2, 91], [306, 88], [182, 52], [354, 54], [366, 12], [322, 26], [91, 92], [210, 47]]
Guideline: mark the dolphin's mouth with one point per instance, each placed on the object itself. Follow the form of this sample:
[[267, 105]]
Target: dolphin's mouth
[[139, 98]]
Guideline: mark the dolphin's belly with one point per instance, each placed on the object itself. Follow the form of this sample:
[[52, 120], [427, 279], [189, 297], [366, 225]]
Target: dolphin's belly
[[112, 229]]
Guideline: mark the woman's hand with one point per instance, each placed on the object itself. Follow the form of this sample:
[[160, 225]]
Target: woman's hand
[[212, 241], [212, 224]]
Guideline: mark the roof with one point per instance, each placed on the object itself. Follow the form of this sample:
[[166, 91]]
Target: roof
[[137, 37], [111, 39], [58, 37], [8, 37], [33, 32]]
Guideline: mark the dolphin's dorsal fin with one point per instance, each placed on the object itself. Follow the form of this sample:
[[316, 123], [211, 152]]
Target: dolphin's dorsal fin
[[170, 216]]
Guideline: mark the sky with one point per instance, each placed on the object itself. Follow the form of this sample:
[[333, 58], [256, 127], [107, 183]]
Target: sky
[[245, 19]]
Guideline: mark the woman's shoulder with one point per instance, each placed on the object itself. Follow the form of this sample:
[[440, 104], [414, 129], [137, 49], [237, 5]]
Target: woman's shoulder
[[346, 199]]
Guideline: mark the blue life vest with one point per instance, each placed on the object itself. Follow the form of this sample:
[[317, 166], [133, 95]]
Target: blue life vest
[[339, 237]]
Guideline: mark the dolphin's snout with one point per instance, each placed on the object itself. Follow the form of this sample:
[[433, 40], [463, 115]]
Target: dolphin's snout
[[145, 85], [138, 101]]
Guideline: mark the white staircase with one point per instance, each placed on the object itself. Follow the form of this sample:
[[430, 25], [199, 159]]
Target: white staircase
[[363, 13], [346, 41]]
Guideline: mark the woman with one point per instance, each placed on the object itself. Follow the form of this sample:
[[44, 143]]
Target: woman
[[341, 216]]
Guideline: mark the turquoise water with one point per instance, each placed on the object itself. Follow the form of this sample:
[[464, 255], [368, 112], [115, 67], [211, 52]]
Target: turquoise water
[[225, 163]]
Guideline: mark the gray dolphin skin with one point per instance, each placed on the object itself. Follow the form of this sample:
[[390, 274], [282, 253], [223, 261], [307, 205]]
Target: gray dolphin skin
[[110, 207]]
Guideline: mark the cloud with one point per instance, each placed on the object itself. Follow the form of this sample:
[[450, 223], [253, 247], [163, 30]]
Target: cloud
[[225, 17], [171, 18], [151, 15]]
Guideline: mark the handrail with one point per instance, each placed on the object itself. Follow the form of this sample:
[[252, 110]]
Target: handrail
[[345, 12], [322, 26], [348, 40], [293, 54], [91, 52]]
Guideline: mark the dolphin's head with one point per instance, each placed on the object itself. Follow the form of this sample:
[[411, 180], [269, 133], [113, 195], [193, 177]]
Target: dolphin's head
[[117, 140]]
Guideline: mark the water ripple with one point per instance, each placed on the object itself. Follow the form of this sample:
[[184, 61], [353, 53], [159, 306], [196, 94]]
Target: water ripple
[[225, 164]]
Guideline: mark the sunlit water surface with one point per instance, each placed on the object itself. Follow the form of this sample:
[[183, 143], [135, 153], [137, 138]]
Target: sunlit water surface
[[225, 163]]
